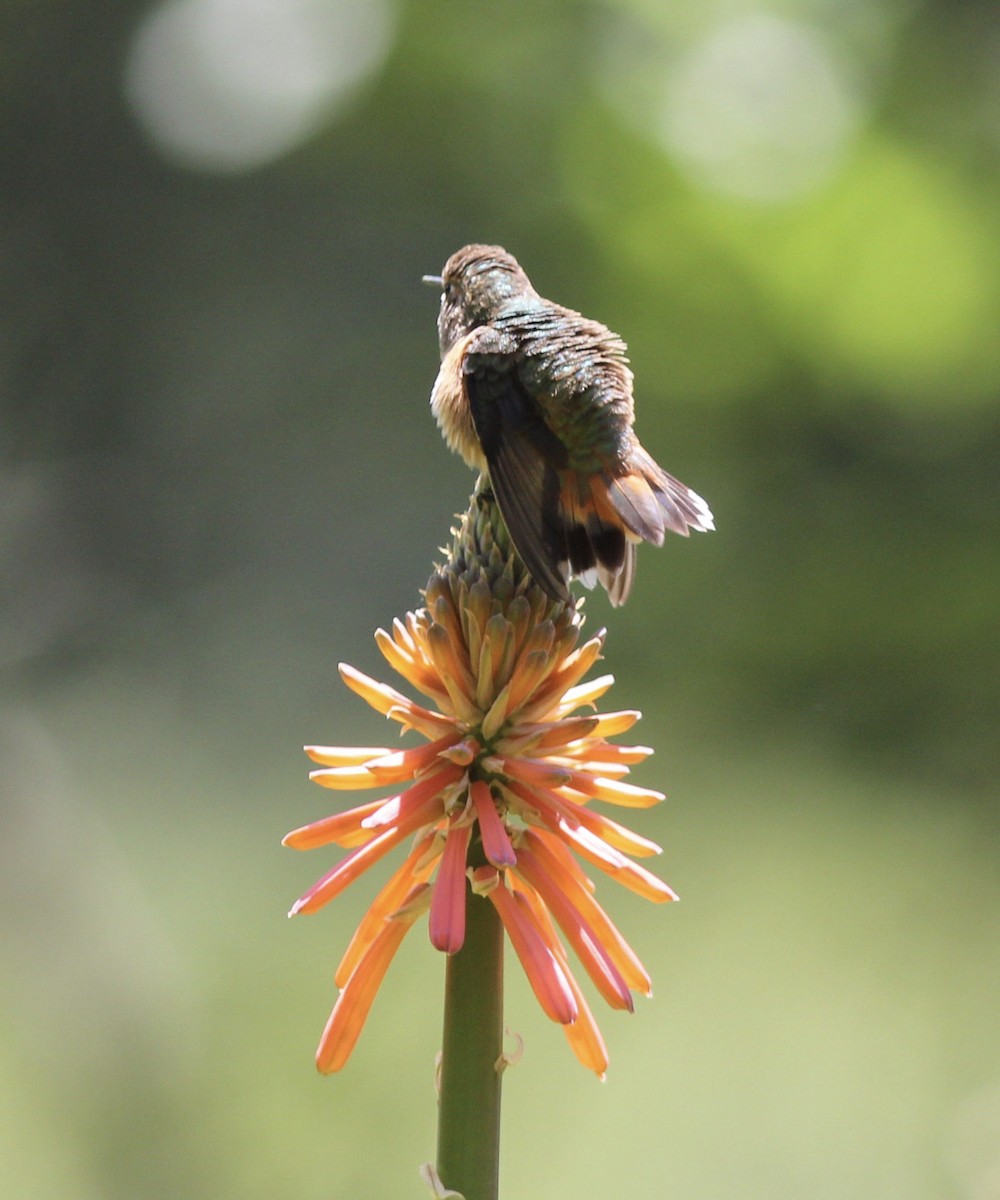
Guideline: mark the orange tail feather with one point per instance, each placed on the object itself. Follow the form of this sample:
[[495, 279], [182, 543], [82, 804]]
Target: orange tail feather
[[604, 516]]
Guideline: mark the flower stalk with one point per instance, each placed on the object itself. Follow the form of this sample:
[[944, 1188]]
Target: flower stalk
[[468, 1147]]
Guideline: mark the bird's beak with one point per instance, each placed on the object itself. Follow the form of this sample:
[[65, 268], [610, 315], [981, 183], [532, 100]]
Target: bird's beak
[[433, 280]]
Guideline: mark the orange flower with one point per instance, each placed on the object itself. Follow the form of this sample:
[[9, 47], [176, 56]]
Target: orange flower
[[499, 794]]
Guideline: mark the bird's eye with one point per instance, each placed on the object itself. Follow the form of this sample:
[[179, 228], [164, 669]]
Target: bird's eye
[[451, 289]]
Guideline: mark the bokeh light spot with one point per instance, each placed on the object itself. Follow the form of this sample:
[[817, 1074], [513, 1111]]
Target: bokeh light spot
[[760, 108], [230, 85]]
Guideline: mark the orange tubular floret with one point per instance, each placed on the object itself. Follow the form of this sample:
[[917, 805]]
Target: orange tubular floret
[[447, 915], [584, 1037], [569, 672], [616, 835], [549, 851], [495, 655], [496, 841], [346, 871], [410, 665], [549, 736], [402, 636], [344, 756], [594, 956], [341, 829], [584, 693], [552, 808], [380, 696], [358, 861], [541, 966], [417, 868], [501, 639], [450, 659], [355, 1001], [546, 805], [612, 791], [534, 771], [345, 779], [444, 613], [580, 759], [396, 765], [629, 874], [559, 856], [603, 752], [566, 731], [424, 720], [609, 724], [532, 668], [400, 808]]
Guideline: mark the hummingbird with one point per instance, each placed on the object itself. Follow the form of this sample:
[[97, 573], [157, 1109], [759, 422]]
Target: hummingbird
[[538, 399]]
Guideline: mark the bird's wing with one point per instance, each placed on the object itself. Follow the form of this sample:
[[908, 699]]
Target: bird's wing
[[523, 456]]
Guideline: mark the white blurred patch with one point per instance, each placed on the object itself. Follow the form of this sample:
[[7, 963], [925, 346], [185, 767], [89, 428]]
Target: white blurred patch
[[760, 108], [229, 85], [975, 1143]]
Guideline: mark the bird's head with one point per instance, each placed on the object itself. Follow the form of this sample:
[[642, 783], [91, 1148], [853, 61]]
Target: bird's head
[[475, 283]]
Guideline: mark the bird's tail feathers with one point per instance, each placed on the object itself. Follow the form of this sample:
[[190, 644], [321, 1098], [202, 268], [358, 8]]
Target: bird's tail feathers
[[605, 516], [652, 503]]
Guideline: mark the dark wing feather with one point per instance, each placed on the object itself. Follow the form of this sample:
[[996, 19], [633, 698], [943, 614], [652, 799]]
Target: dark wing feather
[[523, 456]]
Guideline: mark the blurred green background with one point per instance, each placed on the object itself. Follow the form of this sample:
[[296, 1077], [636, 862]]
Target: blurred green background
[[219, 474]]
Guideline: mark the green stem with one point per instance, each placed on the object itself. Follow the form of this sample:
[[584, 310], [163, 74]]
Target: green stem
[[468, 1150]]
